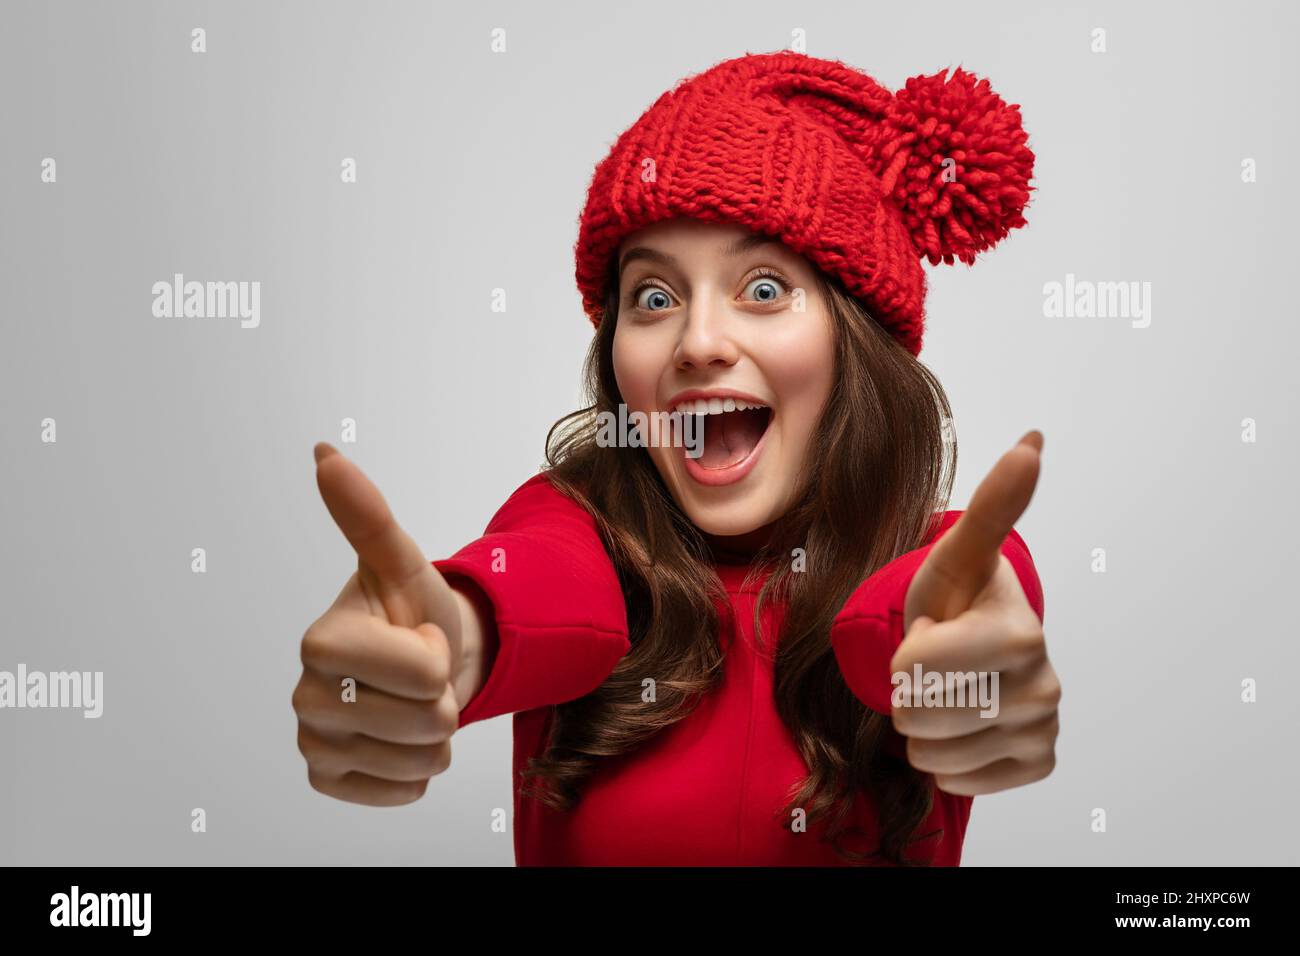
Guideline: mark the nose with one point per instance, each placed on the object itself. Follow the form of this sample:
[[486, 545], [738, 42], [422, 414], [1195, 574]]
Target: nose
[[706, 338]]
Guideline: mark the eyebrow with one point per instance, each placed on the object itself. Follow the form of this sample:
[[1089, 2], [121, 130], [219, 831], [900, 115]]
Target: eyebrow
[[742, 245]]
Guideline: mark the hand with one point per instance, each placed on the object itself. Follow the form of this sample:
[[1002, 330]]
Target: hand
[[966, 611], [395, 629]]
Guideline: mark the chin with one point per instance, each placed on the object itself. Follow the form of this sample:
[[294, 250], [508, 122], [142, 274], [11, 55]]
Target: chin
[[743, 515], [725, 525], [730, 510]]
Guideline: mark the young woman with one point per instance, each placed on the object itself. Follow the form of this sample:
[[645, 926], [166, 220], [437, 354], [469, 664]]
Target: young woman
[[705, 649]]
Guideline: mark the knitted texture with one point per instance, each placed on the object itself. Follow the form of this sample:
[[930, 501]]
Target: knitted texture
[[861, 181]]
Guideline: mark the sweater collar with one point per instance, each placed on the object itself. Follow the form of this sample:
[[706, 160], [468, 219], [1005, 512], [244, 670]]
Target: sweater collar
[[733, 576]]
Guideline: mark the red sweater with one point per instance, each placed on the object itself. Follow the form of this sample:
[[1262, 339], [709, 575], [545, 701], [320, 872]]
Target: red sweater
[[706, 790]]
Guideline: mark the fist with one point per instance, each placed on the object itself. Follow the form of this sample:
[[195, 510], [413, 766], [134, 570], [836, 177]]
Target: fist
[[965, 613], [377, 700]]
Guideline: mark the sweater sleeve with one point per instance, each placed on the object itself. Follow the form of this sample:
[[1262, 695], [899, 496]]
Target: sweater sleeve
[[560, 616], [869, 629]]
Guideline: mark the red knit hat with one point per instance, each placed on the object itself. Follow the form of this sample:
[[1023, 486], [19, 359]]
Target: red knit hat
[[861, 181]]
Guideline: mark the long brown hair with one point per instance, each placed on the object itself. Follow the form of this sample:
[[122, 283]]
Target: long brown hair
[[879, 474]]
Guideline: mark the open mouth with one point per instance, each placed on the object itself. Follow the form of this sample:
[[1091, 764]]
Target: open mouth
[[732, 430]]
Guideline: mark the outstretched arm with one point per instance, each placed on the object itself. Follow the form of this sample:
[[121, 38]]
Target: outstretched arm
[[542, 591], [964, 615], [869, 630]]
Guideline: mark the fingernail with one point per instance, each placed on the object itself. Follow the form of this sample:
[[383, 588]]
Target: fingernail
[[1032, 437], [323, 450]]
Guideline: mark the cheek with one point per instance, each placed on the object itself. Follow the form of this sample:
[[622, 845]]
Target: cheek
[[801, 369], [625, 371], [637, 370]]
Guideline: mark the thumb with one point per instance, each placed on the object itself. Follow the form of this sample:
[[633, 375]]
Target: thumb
[[965, 558], [408, 586]]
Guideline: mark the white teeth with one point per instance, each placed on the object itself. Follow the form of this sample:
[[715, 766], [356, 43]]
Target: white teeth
[[715, 406]]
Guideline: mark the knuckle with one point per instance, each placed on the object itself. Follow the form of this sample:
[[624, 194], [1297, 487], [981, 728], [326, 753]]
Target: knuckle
[[401, 794], [1036, 740], [323, 758], [1028, 645], [412, 762], [916, 753], [902, 660], [315, 644], [429, 718], [439, 718], [306, 744], [441, 757], [433, 634], [302, 699], [314, 707], [311, 705], [1045, 767], [422, 765], [320, 782], [434, 671], [1049, 692], [450, 710], [442, 664], [1054, 695]]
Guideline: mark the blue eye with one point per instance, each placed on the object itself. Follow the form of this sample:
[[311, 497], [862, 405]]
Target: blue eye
[[766, 288], [657, 295]]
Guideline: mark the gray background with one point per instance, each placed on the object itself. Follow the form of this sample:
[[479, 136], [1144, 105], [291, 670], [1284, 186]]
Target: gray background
[[175, 434]]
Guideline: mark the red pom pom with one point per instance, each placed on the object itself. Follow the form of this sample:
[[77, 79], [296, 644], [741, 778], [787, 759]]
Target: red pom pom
[[952, 157]]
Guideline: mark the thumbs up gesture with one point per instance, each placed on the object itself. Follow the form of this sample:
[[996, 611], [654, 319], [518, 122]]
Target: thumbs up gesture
[[965, 611], [386, 665]]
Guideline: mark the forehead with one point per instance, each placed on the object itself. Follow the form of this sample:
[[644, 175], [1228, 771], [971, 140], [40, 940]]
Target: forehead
[[693, 237], [684, 229]]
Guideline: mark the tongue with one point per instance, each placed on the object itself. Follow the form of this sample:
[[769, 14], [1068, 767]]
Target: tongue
[[730, 437]]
